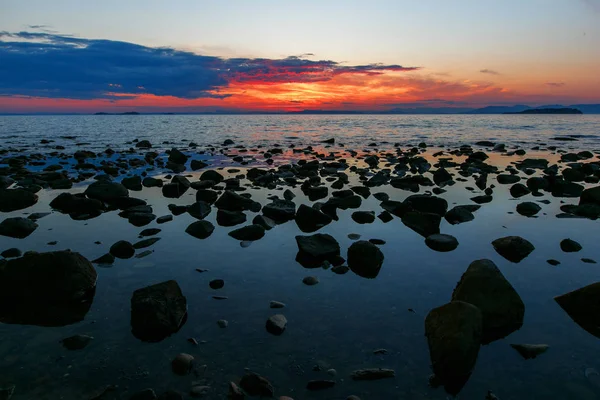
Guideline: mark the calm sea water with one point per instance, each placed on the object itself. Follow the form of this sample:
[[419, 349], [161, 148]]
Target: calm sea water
[[102, 130], [335, 324]]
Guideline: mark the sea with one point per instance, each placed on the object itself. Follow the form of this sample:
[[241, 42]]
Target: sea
[[335, 327]]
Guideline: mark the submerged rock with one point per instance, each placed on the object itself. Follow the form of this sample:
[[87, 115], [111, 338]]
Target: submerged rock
[[76, 342], [17, 227], [513, 248], [528, 351], [583, 307], [502, 309], [182, 364], [46, 289], [365, 259], [453, 334], [157, 311]]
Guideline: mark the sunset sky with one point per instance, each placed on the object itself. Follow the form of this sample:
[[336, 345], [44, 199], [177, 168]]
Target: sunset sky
[[190, 56]]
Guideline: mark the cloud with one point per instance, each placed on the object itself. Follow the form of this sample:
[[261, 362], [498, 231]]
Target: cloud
[[43, 64], [489, 71], [555, 84]]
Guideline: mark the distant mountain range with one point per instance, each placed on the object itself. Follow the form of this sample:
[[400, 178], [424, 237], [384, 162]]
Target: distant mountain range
[[584, 108]]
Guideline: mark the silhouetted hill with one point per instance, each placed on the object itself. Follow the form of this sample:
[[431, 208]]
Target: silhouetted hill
[[124, 113], [548, 111]]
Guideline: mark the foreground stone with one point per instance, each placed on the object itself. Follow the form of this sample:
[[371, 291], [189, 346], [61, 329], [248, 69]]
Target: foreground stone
[[16, 199], [157, 311], [453, 334], [47, 289], [365, 259], [200, 229], [513, 248], [310, 220], [583, 307], [255, 385], [502, 309], [441, 242], [106, 191], [250, 232], [314, 249], [182, 364], [17, 227]]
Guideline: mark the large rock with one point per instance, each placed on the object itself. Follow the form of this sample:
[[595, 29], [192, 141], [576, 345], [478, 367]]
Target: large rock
[[16, 199], [441, 242], [133, 183], [454, 335], [200, 229], [425, 224], [47, 289], [502, 309], [310, 220], [588, 196], [232, 201], [77, 206], [461, 214], [570, 246], [212, 175], [280, 210], [583, 306], [528, 208], [513, 248], [17, 227], [428, 204], [106, 191], [315, 249], [157, 311], [199, 209], [177, 157], [230, 218], [365, 259]]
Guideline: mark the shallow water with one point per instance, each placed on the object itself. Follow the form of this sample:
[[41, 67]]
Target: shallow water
[[335, 324]]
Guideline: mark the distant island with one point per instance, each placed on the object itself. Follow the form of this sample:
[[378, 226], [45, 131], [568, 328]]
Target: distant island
[[548, 111], [125, 113]]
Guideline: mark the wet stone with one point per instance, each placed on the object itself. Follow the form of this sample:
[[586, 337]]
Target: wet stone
[[17, 227], [200, 229], [513, 248], [441, 242], [529, 351], [570, 246], [365, 259], [276, 324], [122, 249]]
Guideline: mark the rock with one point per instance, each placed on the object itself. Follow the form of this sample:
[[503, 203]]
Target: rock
[[566, 189], [588, 196], [535, 184], [150, 232], [340, 269], [263, 221], [362, 191], [502, 309], [365, 259], [441, 176], [17, 227], [46, 289], [76, 342], [570, 246], [16, 199], [13, 252], [276, 324], [171, 395], [143, 144], [212, 175], [207, 195], [363, 217], [182, 364], [428, 204], [280, 210], [441, 242], [157, 311], [249, 232], [276, 304], [235, 393], [232, 201], [453, 334], [583, 307], [255, 385], [142, 244], [152, 182], [195, 165], [7, 392], [310, 220], [372, 374], [199, 390], [164, 219], [352, 397], [425, 224], [216, 284], [320, 384], [528, 208], [177, 157], [315, 193], [385, 217], [513, 248], [482, 199], [122, 249], [200, 229], [553, 262], [519, 190], [310, 280], [528, 351], [199, 210], [173, 190], [461, 214], [589, 261], [106, 191], [133, 183], [106, 259], [507, 179], [317, 248], [140, 219]]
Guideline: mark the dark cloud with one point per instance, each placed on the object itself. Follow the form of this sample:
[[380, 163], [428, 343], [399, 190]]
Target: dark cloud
[[489, 71], [62, 66], [555, 84]]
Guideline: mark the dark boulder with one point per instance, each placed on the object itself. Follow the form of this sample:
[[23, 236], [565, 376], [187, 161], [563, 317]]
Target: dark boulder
[[588, 196], [583, 306], [122, 249], [310, 220], [47, 289], [250, 232], [313, 250], [232, 201], [200, 229], [570, 246], [502, 309], [528, 208], [173, 190], [453, 334], [177, 157], [255, 385], [17, 227], [199, 210], [461, 214], [513, 248], [133, 183], [16, 199], [428, 204], [518, 190], [106, 191], [77, 205], [209, 196], [230, 218], [211, 175], [157, 311], [363, 217], [280, 210], [365, 259], [483, 199], [441, 242]]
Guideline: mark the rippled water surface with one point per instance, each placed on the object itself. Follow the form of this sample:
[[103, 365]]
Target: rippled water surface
[[337, 323]]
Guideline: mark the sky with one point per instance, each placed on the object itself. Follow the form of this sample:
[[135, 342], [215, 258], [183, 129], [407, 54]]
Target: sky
[[239, 55]]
